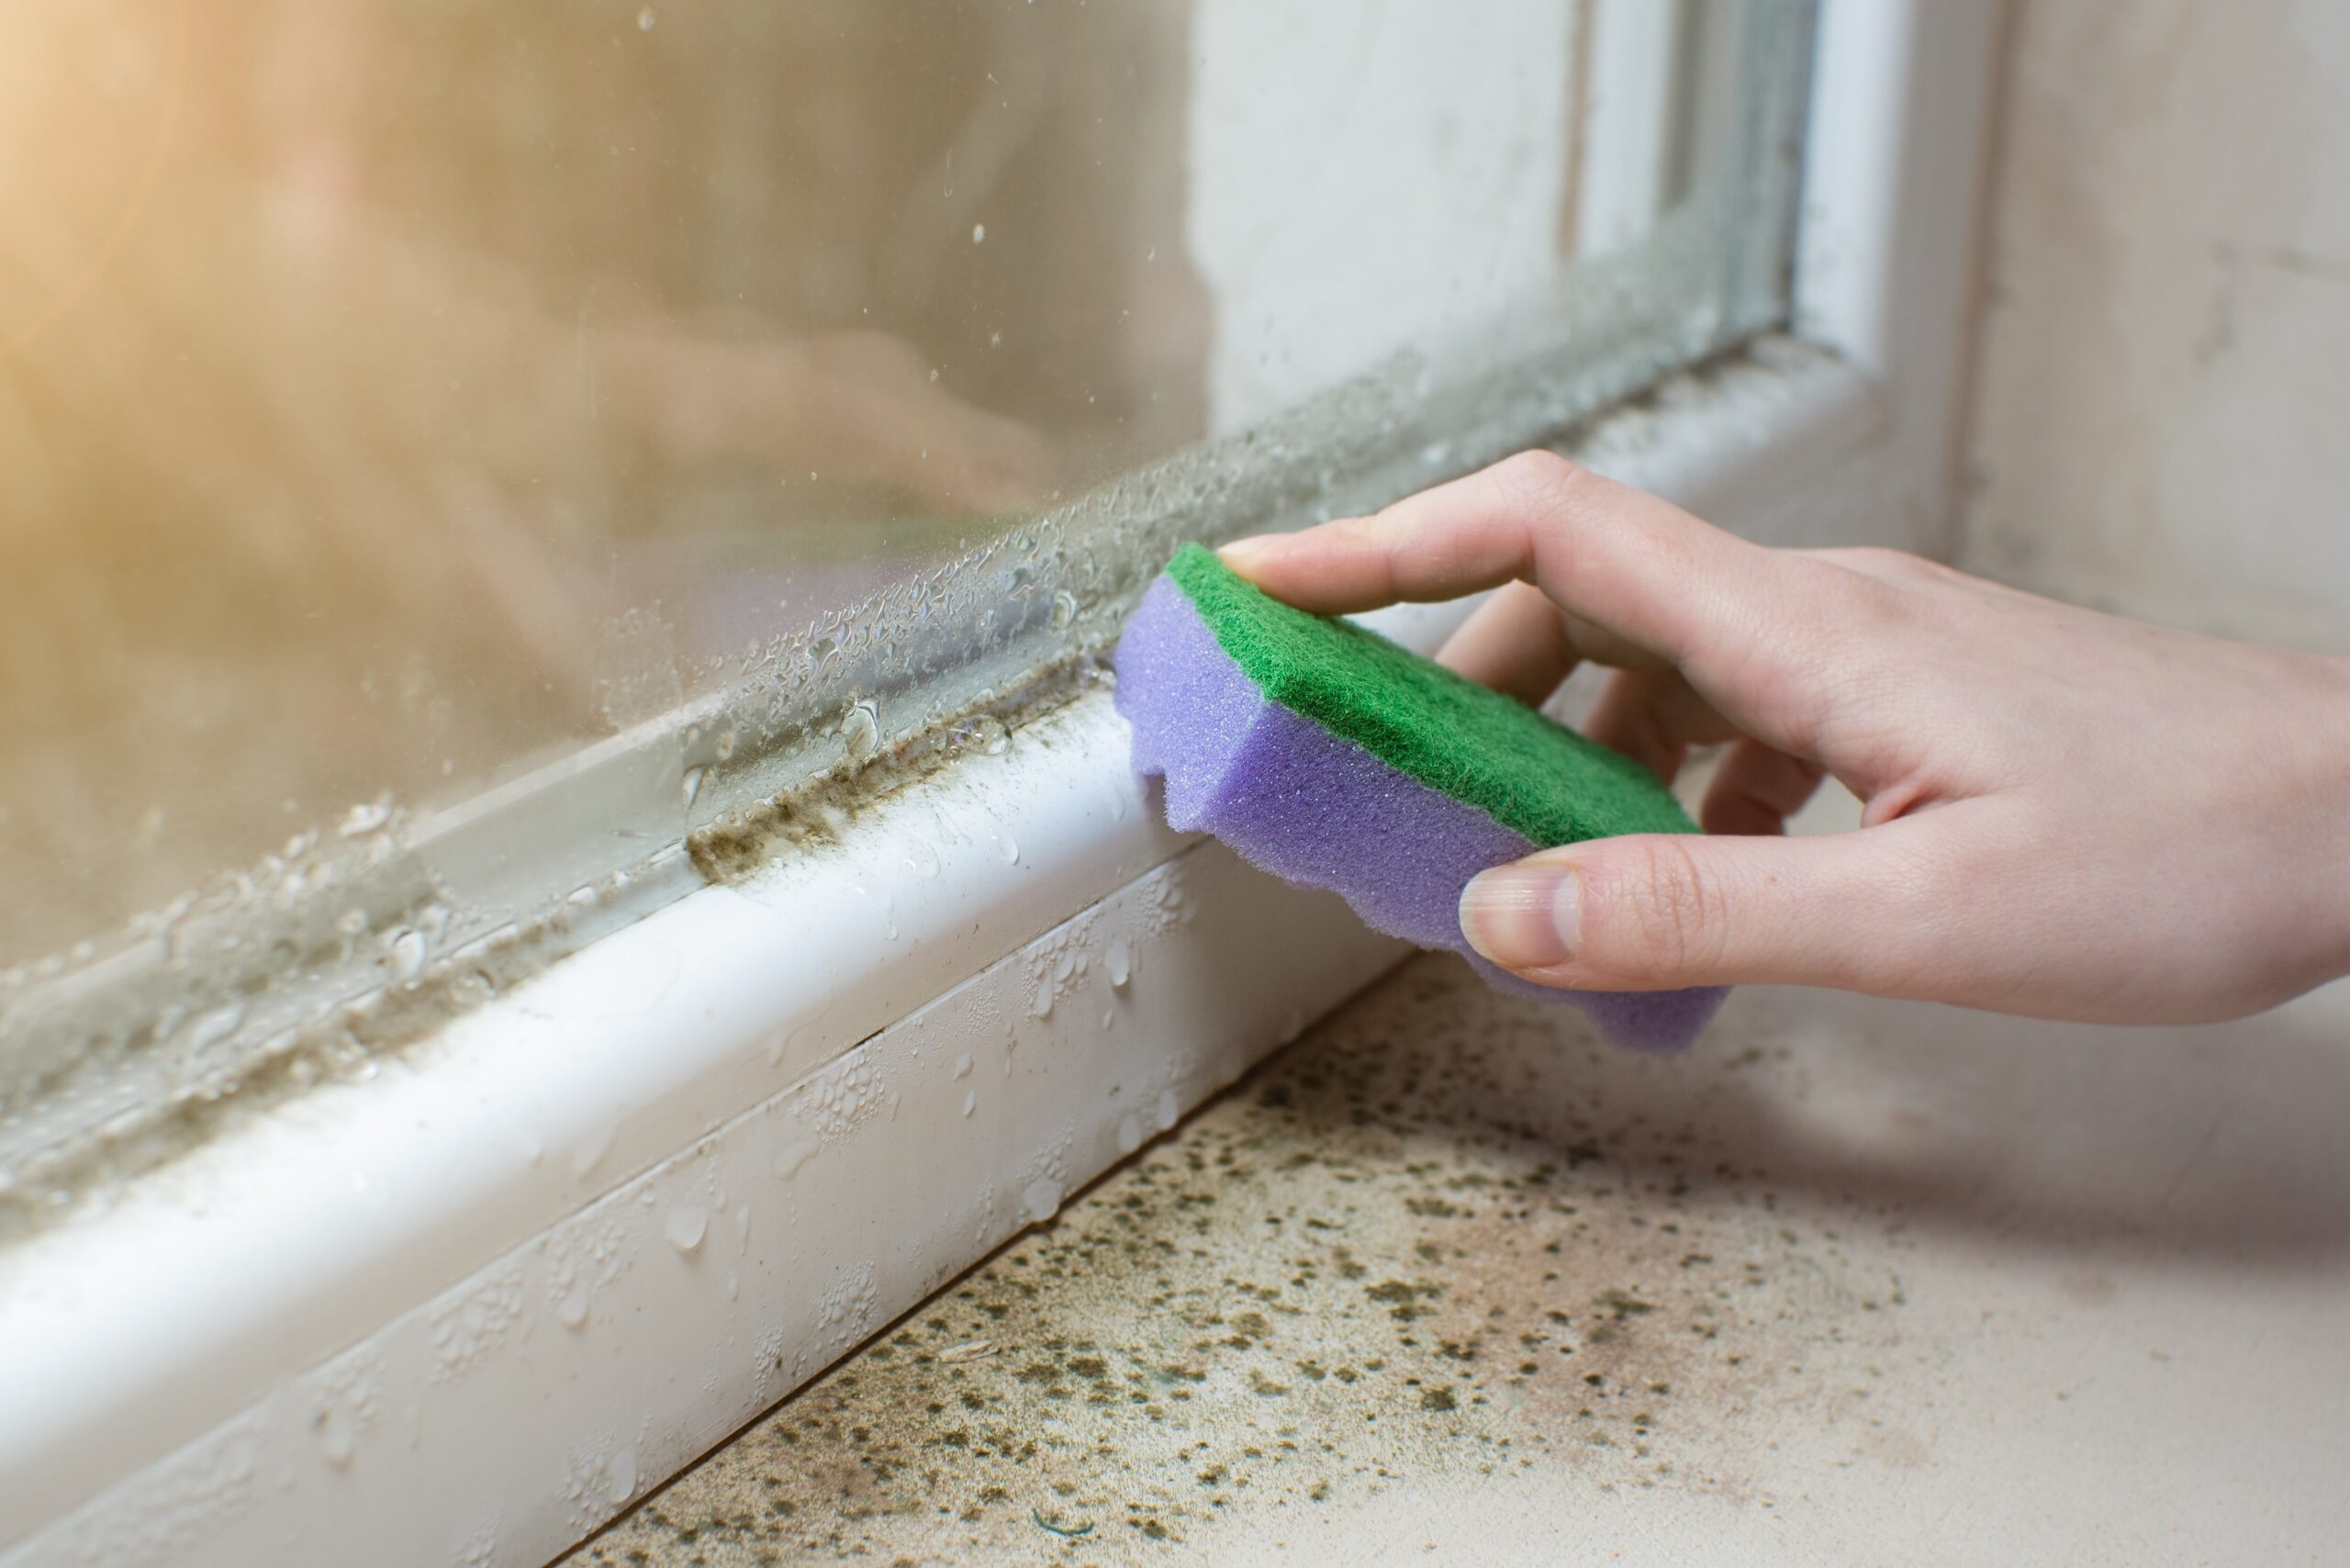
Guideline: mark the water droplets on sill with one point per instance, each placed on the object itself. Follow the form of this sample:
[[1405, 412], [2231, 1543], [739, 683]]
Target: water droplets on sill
[[365, 818], [861, 730], [687, 1225], [793, 1156], [571, 1309], [338, 1435], [982, 732], [1041, 1200]]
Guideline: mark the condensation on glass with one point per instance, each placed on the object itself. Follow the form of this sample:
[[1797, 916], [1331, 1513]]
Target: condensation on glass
[[451, 451]]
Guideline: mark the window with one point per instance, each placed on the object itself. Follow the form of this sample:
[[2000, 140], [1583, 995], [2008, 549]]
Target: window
[[507, 435], [454, 453]]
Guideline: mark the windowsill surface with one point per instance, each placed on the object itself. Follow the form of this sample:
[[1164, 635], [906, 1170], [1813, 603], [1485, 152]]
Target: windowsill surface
[[1853, 1281]]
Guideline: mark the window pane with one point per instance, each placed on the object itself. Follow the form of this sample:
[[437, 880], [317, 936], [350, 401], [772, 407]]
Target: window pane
[[450, 452]]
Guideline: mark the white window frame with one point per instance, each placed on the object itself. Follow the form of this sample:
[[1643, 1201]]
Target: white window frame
[[473, 1308]]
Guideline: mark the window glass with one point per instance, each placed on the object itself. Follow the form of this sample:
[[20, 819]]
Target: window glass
[[451, 451]]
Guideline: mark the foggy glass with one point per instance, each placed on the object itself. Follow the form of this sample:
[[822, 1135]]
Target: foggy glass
[[401, 399]]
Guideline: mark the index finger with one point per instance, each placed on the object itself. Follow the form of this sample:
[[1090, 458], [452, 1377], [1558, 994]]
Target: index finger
[[1636, 566]]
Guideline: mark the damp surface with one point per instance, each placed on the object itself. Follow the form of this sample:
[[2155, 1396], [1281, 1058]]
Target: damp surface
[[1447, 1280], [1445, 1240]]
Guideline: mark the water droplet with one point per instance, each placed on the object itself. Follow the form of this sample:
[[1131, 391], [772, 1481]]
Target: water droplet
[[741, 1229], [733, 1285], [1042, 1199], [645, 20], [1118, 962], [211, 1028], [1065, 966], [1010, 850], [921, 860], [1064, 609], [1129, 1133], [591, 1150], [1043, 1006], [693, 784], [792, 1156], [1168, 1109], [979, 233], [406, 955], [572, 1308], [971, 1102], [687, 1224], [963, 1065], [862, 730], [620, 1478], [366, 819], [338, 1435], [982, 733]]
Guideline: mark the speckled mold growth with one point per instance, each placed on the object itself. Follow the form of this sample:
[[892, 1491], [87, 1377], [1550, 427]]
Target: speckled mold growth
[[1442, 1242]]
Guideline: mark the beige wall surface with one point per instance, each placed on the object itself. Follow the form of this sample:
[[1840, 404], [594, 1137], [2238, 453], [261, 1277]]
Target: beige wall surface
[[2162, 404]]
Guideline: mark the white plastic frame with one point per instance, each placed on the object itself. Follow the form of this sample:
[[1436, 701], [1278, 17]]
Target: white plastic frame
[[469, 1311]]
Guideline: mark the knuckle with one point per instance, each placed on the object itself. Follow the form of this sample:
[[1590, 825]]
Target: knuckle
[[1887, 560], [1664, 915], [1536, 480], [1883, 564]]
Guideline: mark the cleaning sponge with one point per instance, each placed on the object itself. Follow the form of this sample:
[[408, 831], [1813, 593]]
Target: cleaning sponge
[[1330, 756]]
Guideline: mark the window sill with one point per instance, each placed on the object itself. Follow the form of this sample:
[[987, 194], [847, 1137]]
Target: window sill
[[548, 1257]]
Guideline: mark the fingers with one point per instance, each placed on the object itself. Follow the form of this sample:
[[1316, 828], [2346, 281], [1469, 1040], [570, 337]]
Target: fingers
[[1632, 566], [1756, 790], [1654, 717], [1516, 642], [1654, 912]]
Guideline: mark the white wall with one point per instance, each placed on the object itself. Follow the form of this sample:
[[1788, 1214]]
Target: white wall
[[2162, 412]]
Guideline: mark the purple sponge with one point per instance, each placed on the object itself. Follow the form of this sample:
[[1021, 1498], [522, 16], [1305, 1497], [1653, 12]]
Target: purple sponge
[[1315, 808]]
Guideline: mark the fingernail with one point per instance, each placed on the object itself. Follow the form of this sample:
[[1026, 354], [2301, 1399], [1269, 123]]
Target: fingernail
[[1526, 916], [1240, 552]]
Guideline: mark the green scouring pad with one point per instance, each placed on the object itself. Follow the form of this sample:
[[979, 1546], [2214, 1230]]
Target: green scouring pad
[[1330, 756]]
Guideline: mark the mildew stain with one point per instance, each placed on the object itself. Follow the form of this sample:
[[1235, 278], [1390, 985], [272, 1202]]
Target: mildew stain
[[1444, 1235]]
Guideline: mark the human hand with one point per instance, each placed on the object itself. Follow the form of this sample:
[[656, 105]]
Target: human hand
[[2067, 814]]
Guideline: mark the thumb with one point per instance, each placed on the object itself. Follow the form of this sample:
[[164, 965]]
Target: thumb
[[1656, 911]]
